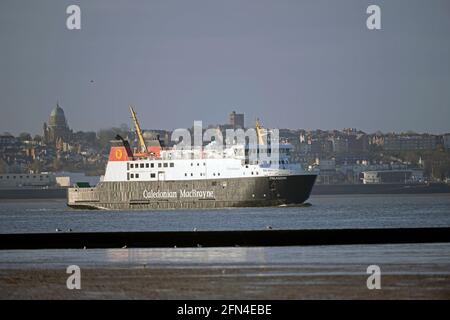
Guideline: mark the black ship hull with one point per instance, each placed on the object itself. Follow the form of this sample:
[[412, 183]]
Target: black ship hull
[[189, 194]]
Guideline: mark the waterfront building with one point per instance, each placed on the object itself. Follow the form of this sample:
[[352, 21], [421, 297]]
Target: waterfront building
[[237, 120], [23, 180], [7, 140], [392, 176], [409, 142], [446, 140]]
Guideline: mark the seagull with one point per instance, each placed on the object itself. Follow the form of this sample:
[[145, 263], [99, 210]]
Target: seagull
[[269, 227], [70, 230], [124, 247], [195, 229], [57, 230]]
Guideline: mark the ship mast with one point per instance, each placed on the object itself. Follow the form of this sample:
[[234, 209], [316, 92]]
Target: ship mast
[[143, 147]]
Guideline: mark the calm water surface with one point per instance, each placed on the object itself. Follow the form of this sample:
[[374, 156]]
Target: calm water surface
[[343, 211]]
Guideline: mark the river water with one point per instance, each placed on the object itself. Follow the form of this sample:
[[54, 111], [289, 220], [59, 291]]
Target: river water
[[325, 212]]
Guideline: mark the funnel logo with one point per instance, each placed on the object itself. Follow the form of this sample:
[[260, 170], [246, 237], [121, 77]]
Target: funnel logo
[[119, 154]]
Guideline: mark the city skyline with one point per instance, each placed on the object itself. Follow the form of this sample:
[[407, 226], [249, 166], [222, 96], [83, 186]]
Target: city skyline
[[309, 65], [130, 126]]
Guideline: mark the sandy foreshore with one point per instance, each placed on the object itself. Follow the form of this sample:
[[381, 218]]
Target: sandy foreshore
[[220, 283], [408, 271]]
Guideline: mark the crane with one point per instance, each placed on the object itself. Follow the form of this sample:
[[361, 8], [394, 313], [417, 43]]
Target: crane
[[259, 132], [143, 147]]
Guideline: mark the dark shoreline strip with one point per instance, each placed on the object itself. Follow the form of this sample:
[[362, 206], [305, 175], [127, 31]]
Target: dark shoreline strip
[[318, 189], [266, 238]]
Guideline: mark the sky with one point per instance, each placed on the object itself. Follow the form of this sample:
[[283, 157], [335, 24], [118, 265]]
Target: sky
[[292, 63]]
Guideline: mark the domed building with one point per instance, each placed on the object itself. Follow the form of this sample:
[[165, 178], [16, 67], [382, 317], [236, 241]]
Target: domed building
[[57, 128]]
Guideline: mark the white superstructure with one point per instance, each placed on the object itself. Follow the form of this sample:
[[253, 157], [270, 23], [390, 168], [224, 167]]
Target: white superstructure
[[208, 163]]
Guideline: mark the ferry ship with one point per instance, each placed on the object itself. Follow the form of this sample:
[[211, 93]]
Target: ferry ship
[[155, 177]]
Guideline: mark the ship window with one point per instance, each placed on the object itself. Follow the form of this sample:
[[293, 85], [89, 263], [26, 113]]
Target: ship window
[[185, 174], [137, 175], [14, 177], [142, 165], [171, 165], [131, 165], [147, 165], [204, 163], [7, 177], [214, 174], [252, 172], [132, 176], [152, 175], [165, 164], [218, 174], [192, 164], [152, 165], [159, 165], [192, 174], [257, 172], [198, 164]]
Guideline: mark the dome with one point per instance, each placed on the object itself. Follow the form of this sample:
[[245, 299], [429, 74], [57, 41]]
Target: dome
[[57, 117]]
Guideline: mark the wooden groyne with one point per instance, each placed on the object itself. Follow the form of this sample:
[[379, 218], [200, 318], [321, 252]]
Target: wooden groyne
[[250, 238]]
